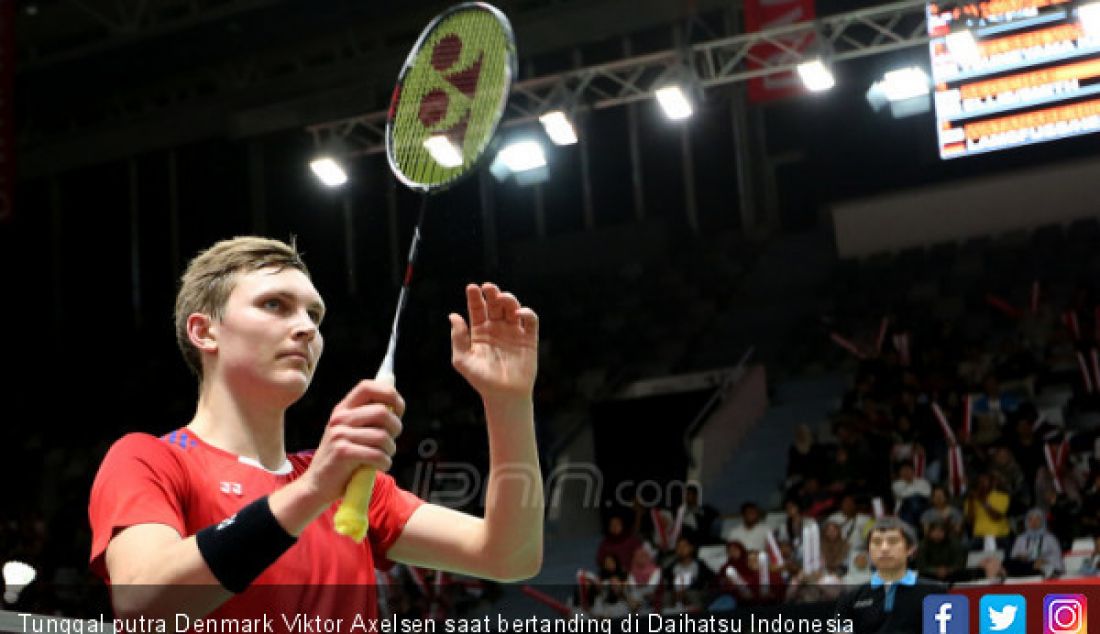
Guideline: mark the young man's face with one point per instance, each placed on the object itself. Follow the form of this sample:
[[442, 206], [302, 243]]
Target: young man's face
[[889, 551], [268, 335]]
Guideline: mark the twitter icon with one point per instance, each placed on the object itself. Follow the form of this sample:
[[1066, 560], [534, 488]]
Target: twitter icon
[[1003, 614]]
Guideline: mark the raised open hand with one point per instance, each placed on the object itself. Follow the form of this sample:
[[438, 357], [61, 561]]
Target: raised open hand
[[497, 352]]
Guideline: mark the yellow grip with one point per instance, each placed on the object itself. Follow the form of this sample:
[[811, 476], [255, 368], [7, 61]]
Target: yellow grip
[[351, 518]]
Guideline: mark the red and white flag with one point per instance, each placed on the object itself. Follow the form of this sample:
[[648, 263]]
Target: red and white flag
[[1056, 455], [773, 549], [956, 471], [1086, 374]]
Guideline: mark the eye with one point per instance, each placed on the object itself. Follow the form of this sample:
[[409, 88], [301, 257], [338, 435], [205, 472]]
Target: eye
[[273, 303], [316, 316]]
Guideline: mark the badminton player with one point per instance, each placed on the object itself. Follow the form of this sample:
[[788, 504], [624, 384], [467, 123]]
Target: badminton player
[[220, 508]]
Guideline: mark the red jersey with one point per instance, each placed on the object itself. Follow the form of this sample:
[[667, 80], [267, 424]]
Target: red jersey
[[180, 481]]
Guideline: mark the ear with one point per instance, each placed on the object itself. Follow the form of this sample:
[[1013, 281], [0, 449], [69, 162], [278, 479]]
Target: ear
[[202, 332]]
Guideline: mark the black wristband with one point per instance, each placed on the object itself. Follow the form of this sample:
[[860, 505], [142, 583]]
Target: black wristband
[[240, 548]]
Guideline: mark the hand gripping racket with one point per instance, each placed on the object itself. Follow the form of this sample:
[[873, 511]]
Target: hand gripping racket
[[449, 99]]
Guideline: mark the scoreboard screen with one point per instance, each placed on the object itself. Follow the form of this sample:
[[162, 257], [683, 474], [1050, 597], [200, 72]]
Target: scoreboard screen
[[1013, 72]]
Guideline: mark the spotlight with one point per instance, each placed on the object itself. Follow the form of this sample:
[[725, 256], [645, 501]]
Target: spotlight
[[522, 156], [443, 151], [329, 171], [905, 83], [17, 575], [674, 102], [559, 128], [816, 76]]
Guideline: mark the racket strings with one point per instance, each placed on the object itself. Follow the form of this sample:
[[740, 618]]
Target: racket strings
[[456, 87]]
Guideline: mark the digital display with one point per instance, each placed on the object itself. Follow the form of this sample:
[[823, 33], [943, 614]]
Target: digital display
[[1013, 72]]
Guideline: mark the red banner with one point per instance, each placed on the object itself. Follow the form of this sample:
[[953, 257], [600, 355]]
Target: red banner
[[7, 122], [766, 14]]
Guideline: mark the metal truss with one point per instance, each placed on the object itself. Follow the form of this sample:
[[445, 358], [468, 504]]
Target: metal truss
[[712, 63]]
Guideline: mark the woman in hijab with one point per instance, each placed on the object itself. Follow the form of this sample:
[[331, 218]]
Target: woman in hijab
[[1036, 550], [859, 570], [834, 548], [643, 582]]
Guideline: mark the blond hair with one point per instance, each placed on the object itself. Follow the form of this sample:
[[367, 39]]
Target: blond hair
[[212, 274]]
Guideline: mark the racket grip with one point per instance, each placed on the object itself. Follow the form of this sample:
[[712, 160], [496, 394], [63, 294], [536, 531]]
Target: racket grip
[[352, 517]]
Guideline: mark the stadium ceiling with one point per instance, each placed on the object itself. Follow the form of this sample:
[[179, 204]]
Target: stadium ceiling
[[715, 62], [164, 73]]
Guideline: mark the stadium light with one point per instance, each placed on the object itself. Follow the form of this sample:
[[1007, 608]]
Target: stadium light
[[559, 128], [963, 47], [905, 90], [443, 151], [905, 83], [329, 171], [522, 156], [816, 76], [17, 575], [1089, 16], [674, 102]]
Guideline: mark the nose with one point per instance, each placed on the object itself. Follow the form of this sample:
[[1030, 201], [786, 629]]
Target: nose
[[304, 327]]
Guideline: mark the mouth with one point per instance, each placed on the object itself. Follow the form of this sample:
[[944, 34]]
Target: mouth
[[296, 355]]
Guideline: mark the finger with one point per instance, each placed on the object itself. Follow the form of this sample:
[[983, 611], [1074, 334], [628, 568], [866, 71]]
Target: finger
[[460, 333], [364, 456], [529, 320], [374, 415], [369, 391], [509, 305], [369, 437], [475, 305], [492, 297]]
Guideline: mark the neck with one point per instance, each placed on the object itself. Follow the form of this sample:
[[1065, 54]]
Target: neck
[[242, 426], [891, 576]]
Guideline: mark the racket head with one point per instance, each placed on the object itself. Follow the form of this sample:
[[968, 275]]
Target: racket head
[[454, 86]]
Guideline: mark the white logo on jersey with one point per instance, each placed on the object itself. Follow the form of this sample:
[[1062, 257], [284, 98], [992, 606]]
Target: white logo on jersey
[[231, 487]]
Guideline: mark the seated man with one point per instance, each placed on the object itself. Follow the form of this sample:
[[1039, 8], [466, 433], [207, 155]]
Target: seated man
[[892, 601]]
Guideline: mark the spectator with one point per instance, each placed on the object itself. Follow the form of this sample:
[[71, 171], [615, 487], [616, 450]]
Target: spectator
[[734, 574], [993, 403], [853, 524], [618, 544], [1010, 477], [941, 556], [793, 528], [752, 532], [859, 569], [699, 519], [1091, 566], [910, 494], [765, 584], [687, 577], [986, 511], [610, 598], [1036, 549], [942, 511], [834, 547], [643, 583]]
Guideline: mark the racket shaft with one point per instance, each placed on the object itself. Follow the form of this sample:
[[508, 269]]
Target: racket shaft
[[352, 518]]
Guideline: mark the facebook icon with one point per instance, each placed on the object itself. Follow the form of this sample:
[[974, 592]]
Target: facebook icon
[[946, 614]]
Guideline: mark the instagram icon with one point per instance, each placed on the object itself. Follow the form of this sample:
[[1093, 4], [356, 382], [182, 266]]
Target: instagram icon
[[1065, 614]]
